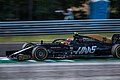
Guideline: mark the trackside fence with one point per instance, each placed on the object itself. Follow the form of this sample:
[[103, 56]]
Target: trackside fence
[[14, 28]]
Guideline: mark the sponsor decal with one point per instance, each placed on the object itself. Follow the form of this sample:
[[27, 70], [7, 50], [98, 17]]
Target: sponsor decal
[[24, 57], [86, 50]]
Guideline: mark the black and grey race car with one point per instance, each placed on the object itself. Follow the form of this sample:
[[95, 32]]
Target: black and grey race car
[[87, 45]]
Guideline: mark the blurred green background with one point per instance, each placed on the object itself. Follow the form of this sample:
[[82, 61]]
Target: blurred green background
[[45, 9]]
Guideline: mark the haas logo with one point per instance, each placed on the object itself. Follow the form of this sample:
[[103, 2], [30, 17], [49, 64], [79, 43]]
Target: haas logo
[[86, 50]]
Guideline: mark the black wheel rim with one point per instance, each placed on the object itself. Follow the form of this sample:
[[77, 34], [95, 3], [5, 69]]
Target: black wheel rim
[[41, 53]]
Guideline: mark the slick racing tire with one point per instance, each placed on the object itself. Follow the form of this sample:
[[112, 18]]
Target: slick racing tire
[[116, 51], [39, 53], [116, 39], [26, 45]]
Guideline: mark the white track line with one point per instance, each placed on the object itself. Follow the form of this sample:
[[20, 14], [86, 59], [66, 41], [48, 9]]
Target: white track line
[[4, 58]]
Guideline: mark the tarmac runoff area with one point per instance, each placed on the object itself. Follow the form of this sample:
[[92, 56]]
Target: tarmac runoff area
[[77, 69]]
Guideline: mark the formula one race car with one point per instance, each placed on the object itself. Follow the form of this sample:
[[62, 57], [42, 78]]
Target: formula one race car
[[89, 45]]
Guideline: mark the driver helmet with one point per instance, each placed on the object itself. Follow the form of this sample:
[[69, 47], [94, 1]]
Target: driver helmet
[[68, 40]]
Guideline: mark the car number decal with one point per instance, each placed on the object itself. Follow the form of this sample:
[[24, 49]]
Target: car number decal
[[86, 50]]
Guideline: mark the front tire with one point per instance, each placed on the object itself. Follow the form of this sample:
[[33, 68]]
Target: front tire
[[116, 51], [26, 45], [39, 53]]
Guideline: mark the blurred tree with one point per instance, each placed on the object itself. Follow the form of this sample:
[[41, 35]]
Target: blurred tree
[[115, 9], [45, 9], [30, 9], [12, 9]]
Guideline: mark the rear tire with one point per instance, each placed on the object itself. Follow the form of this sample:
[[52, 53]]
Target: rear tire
[[116, 39], [39, 53], [116, 51], [26, 45]]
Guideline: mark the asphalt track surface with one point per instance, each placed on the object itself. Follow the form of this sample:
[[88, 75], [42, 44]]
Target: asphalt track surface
[[9, 46], [61, 71], [91, 69]]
